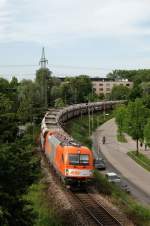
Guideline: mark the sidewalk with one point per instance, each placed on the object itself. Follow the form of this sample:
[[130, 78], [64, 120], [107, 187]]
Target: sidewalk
[[116, 153]]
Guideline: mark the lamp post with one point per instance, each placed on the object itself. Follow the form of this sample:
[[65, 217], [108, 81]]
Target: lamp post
[[104, 108]]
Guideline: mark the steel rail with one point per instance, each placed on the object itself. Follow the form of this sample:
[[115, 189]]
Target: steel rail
[[96, 210]]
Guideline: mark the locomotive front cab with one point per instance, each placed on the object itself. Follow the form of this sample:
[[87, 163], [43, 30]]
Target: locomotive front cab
[[79, 164]]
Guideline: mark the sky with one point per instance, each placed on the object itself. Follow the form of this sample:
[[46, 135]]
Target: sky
[[90, 37]]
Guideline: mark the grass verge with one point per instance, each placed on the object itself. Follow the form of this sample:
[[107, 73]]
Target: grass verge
[[46, 216], [141, 159], [121, 138], [139, 214]]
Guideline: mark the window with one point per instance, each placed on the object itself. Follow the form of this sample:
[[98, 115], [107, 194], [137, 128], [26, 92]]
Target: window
[[107, 89], [100, 84], [73, 159], [78, 159], [107, 84], [101, 89], [84, 159]]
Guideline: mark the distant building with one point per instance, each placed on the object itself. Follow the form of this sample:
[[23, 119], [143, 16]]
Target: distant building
[[105, 85]]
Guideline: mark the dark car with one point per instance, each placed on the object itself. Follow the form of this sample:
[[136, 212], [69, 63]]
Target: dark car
[[100, 163]]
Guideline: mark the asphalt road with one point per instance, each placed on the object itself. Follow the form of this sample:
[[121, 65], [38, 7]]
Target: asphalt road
[[132, 175]]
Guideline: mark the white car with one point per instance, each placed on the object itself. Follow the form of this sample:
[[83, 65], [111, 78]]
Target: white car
[[112, 177]]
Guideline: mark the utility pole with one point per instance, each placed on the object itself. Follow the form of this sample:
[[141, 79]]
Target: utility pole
[[104, 108], [43, 60], [89, 120]]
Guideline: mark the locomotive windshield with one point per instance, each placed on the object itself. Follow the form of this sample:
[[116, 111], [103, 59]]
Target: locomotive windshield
[[78, 159]]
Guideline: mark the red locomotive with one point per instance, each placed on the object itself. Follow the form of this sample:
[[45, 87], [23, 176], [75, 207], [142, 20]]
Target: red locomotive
[[72, 161]]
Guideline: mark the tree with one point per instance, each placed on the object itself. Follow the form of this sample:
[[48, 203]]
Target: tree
[[18, 166], [120, 115], [136, 91], [44, 83], [137, 115], [26, 97], [147, 133], [59, 103], [14, 82], [119, 92], [18, 170], [55, 92]]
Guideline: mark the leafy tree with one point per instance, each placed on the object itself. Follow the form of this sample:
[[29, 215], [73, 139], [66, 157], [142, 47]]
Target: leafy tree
[[14, 82], [147, 133], [136, 92], [55, 92], [18, 170], [44, 83], [18, 166], [59, 103], [145, 88], [76, 89], [119, 92], [4, 86], [146, 100], [120, 115], [137, 115], [132, 75]]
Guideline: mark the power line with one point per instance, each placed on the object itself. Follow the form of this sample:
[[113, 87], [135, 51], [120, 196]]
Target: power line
[[55, 66]]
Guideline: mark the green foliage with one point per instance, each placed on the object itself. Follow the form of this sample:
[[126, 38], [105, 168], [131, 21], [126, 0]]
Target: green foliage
[[136, 119], [146, 101], [106, 187], [119, 92], [78, 128], [132, 75], [19, 168], [76, 89], [18, 165], [44, 84], [120, 115], [59, 103], [121, 138], [147, 133], [139, 214], [140, 159], [145, 87], [46, 215], [136, 92]]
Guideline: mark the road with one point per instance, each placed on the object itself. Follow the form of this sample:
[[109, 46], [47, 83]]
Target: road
[[136, 177]]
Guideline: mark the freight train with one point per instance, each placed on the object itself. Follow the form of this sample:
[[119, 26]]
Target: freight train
[[73, 162]]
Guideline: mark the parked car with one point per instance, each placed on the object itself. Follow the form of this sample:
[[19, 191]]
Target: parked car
[[112, 177], [100, 163]]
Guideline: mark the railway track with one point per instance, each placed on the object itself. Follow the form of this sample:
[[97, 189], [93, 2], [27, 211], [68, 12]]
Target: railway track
[[96, 211]]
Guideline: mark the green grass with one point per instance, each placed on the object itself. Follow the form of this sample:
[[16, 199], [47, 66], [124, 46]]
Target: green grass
[[46, 215], [121, 138], [141, 159], [139, 214]]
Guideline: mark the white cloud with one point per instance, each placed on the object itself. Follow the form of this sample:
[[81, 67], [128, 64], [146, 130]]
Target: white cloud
[[55, 21]]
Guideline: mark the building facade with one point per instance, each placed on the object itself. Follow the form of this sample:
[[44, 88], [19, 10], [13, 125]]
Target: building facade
[[104, 86]]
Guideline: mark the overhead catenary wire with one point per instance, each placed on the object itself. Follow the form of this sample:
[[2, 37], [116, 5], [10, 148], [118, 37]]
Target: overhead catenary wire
[[57, 66]]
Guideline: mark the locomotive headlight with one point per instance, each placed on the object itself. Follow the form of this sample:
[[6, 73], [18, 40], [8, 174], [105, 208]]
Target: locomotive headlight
[[91, 171], [66, 171]]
